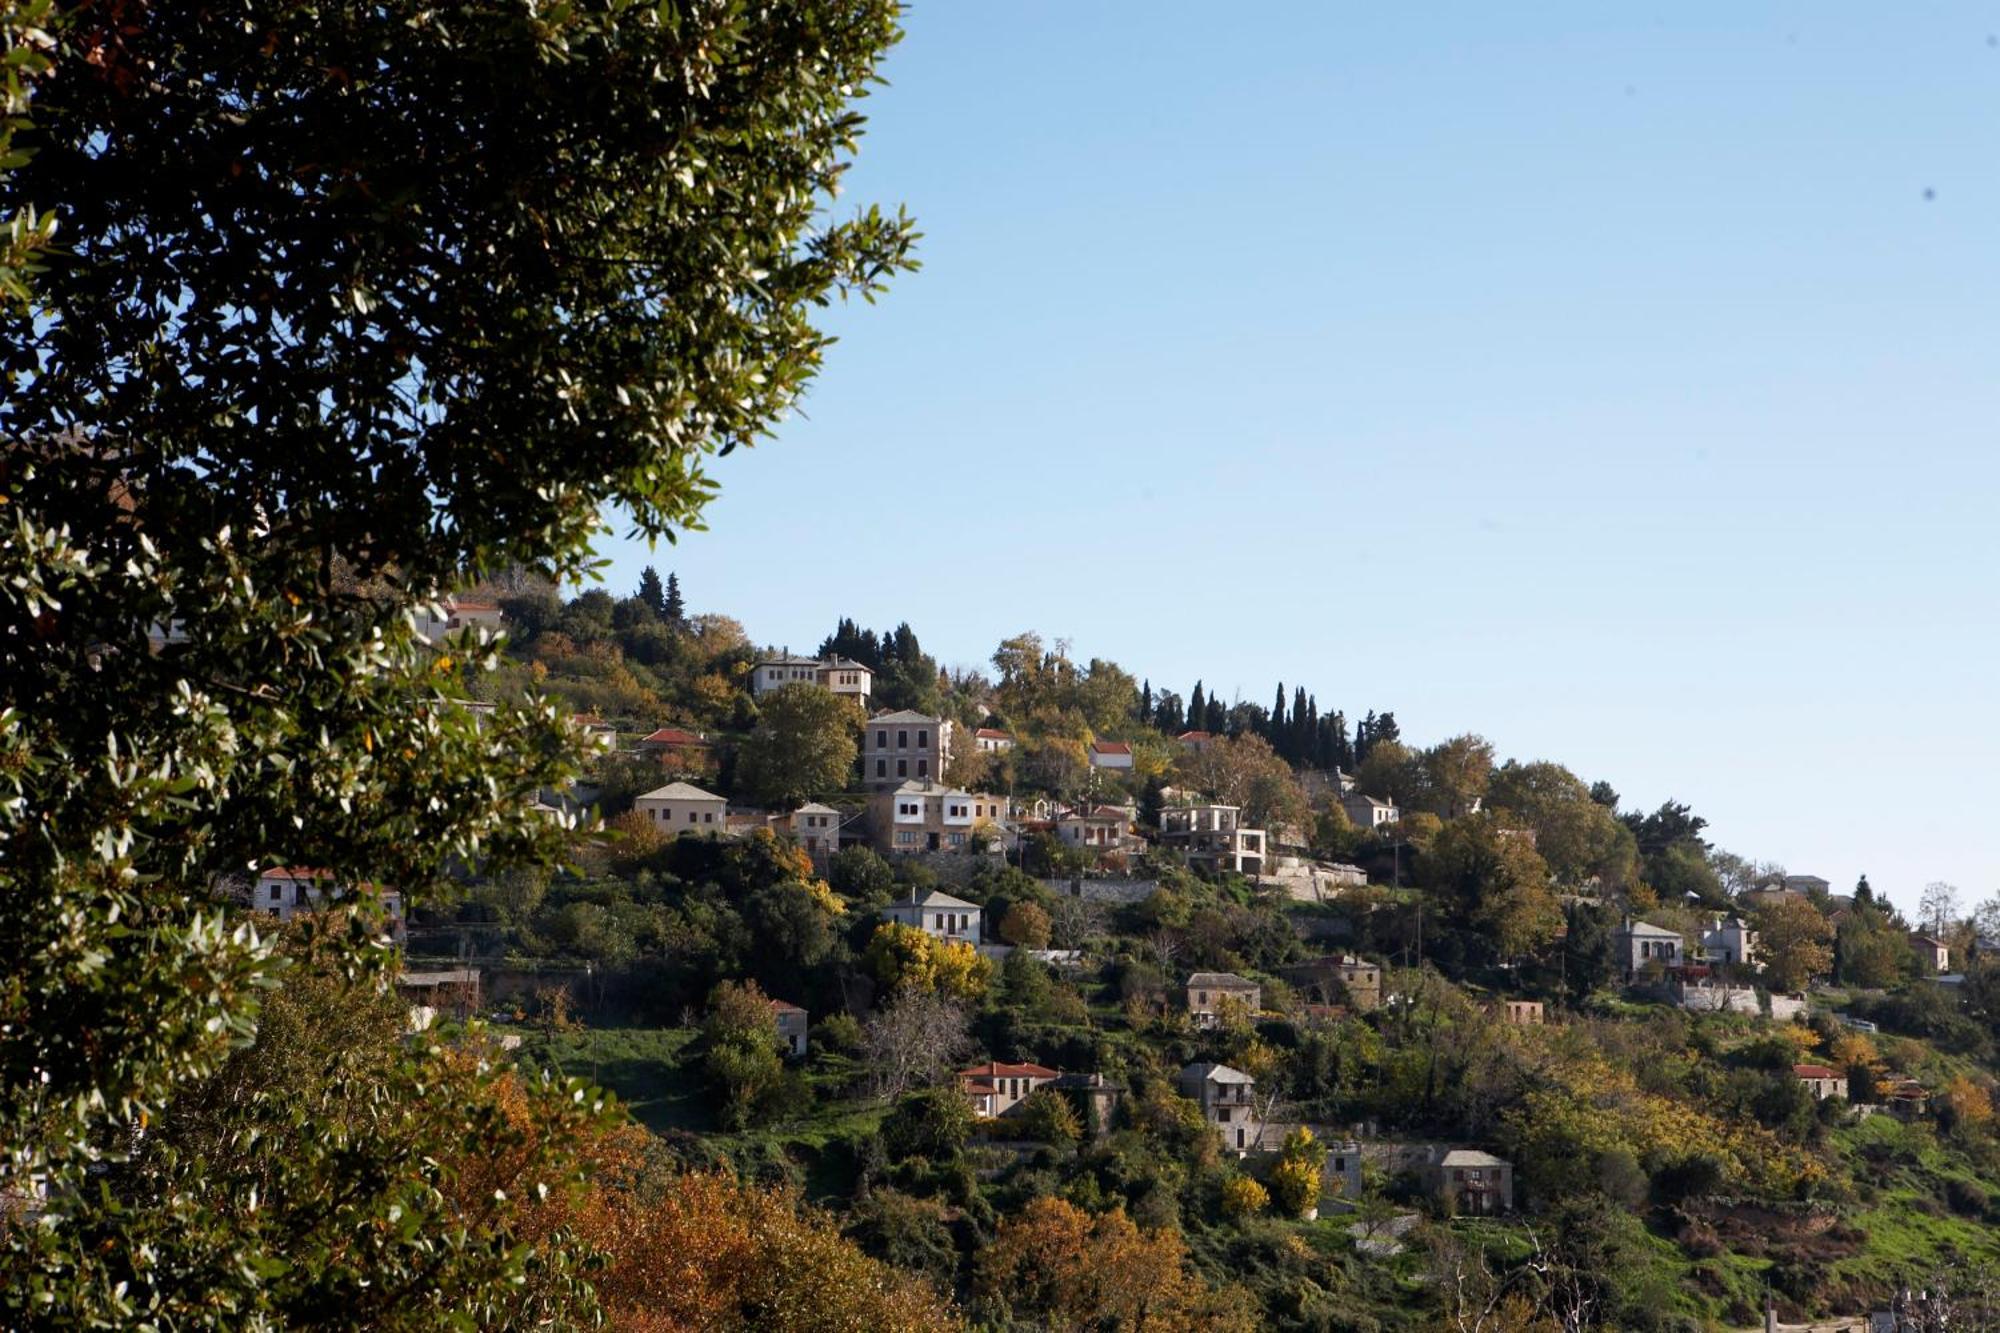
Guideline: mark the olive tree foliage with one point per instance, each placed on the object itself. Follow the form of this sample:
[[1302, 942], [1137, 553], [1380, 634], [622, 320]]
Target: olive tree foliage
[[351, 306]]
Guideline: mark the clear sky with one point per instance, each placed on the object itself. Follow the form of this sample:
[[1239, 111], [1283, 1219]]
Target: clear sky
[[1616, 381]]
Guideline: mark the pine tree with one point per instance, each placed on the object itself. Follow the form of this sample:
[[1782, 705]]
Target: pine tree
[[674, 608], [650, 591], [1385, 729], [1197, 714], [1864, 893]]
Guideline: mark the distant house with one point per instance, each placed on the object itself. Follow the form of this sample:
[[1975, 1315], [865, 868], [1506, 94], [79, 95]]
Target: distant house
[[1101, 828], [1338, 978], [1212, 837], [1730, 942], [1767, 895], [1225, 1096], [1096, 1101], [1207, 992], [991, 740], [836, 674], [1110, 754], [461, 613], [994, 1089], [937, 914], [816, 828], [674, 741], [1931, 952], [1196, 741], [1637, 943], [682, 807], [792, 1027], [1367, 812], [1478, 1183], [1821, 1081], [902, 746], [1519, 1013], [924, 816], [293, 891], [1906, 1098], [1809, 885]]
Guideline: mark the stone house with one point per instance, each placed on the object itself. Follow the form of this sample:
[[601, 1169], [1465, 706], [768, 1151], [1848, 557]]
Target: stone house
[[1209, 992], [1478, 1183], [1368, 812], [1729, 942], [1519, 1013], [1096, 1101], [678, 745], [837, 675], [925, 816], [1638, 943], [682, 807], [816, 829], [903, 746], [1226, 1098], [1933, 955], [938, 915], [1337, 978], [1821, 1081], [792, 1027], [991, 740], [1099, 829]]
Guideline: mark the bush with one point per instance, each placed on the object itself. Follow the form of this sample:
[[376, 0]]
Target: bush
[[1047, 1117], [933, 1123], [1966, 1198], [1242, 1196], [838, 1032]]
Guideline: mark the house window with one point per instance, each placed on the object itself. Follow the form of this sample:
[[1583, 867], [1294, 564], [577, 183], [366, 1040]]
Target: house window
[[690, 816], [881, 740], [923, 768], [902, 768], [957, 839], [902, 740], [923, 740], [881, 768], [906, 837], [708, 817], [276, 892]]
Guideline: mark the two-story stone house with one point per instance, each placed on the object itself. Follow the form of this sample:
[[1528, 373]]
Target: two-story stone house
[[288, 892], [1211, 994], [924, 816], [903, 746], [1226, 1098]]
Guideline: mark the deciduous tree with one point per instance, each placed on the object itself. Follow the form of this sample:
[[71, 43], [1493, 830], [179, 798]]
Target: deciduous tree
[[804, 746]]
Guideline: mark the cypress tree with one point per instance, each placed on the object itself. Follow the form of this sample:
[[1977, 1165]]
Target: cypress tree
[[1197, 714], [650, 590], [1276, 731], [1146, 703], [1217, 717], [1303, 728], [672, 606]]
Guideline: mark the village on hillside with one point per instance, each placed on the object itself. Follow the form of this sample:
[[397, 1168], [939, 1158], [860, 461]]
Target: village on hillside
[[962, 954]]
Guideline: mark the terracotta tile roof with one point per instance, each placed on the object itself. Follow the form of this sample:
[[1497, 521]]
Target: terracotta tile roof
[[1111, 747], [1814, 1071], [993, 734], [673, 736], [994, 1069], [784, 1007], [1195, 736]]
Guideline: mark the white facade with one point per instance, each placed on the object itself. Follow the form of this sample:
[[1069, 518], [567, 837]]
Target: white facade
[[682, 807], [1110, 754], [286, 893], [837, 674], [816, 828], [1367, 812], [1639, 943]]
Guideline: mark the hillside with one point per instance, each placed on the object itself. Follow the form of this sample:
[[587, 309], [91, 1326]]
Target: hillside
[[1656, 1154]]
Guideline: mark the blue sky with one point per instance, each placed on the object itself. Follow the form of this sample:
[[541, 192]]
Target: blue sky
[[1617, 382]]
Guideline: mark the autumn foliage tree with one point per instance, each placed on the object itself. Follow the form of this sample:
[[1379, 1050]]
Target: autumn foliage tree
[[1062, 1268]]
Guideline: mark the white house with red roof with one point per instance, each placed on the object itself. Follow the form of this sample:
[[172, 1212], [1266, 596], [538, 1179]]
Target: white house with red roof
[[992, 740], [994, 1088], [1110, 754], [291, 891], [673, 740], [1821, 1081], [1195, 740], [461, 613]]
